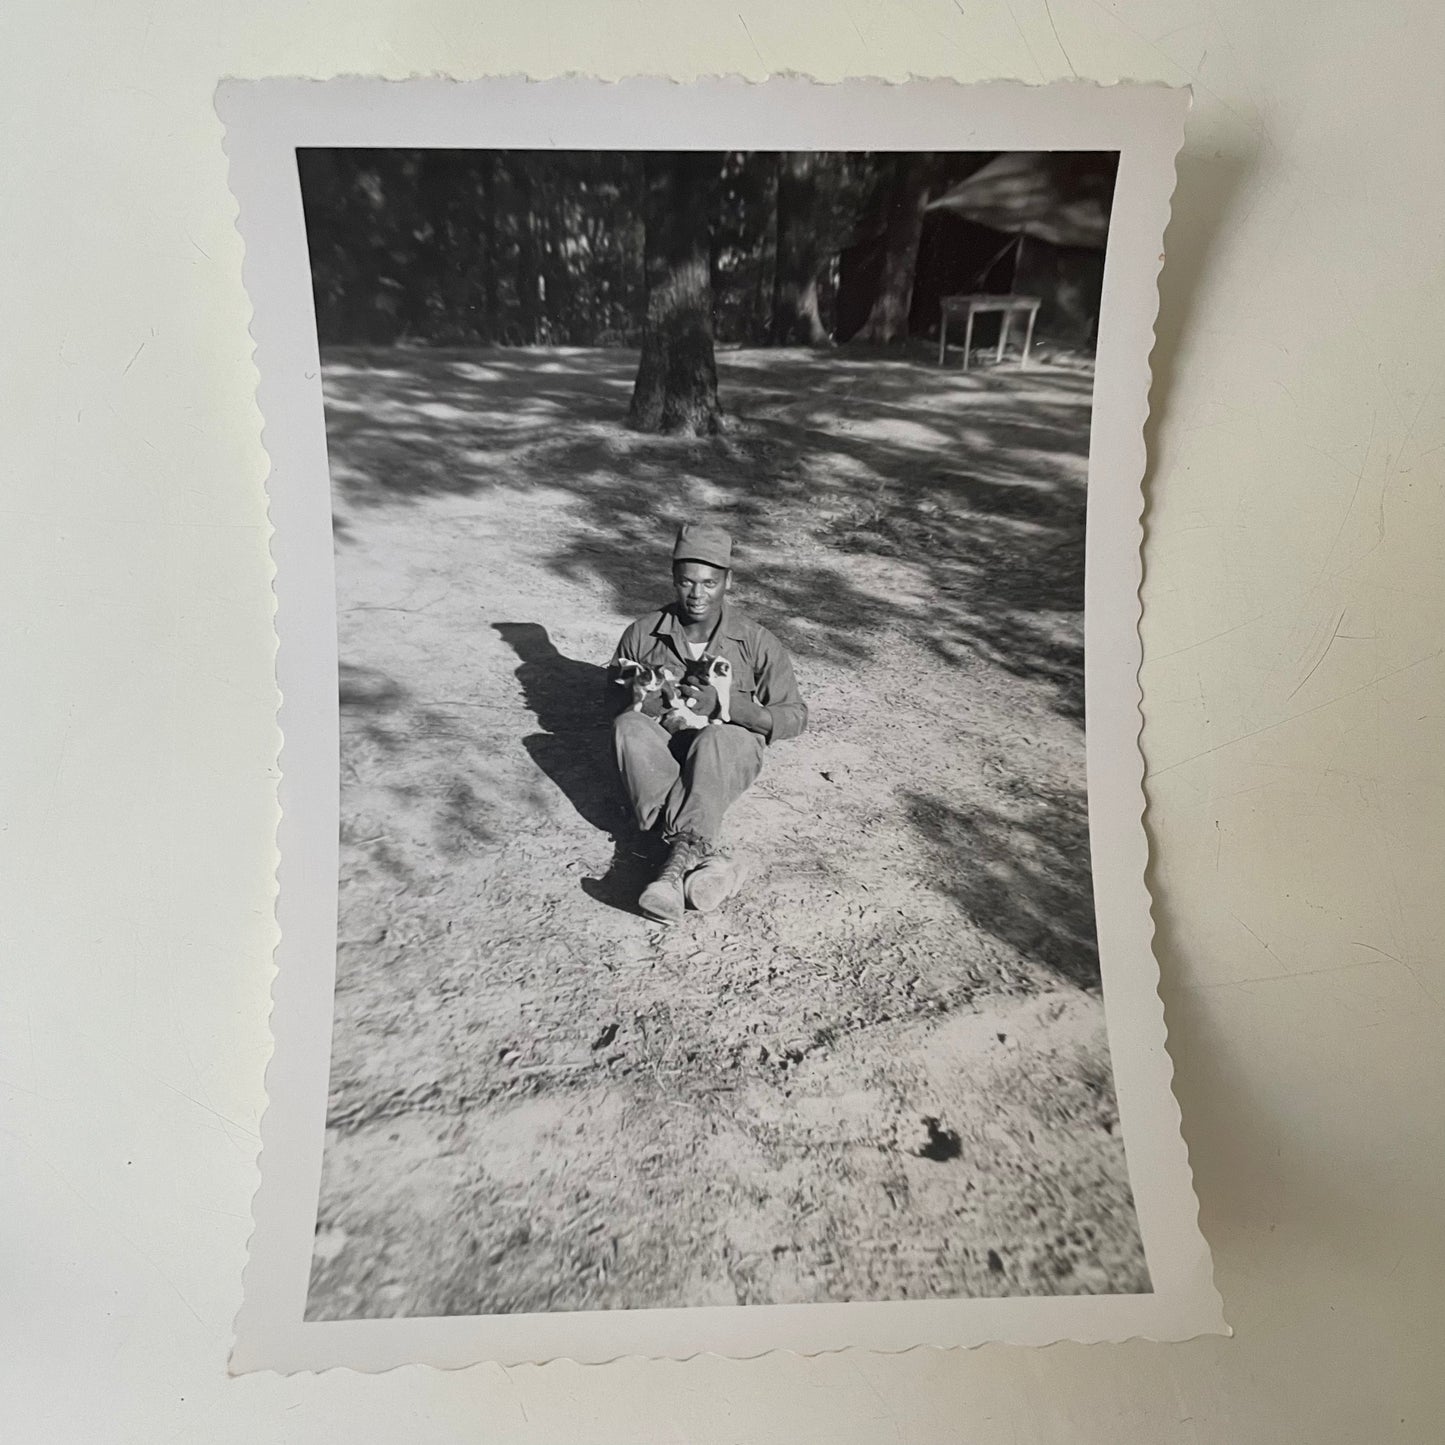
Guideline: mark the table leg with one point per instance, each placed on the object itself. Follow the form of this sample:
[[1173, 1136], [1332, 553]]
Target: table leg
[[942, 336], [967, 337], [1028, 337], [1003, 326]]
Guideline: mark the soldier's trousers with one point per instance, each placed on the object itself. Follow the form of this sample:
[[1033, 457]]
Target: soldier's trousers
[[688, 778]]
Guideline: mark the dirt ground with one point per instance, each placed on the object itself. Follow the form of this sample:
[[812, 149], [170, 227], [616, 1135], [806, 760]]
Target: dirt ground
[[879, 1073]]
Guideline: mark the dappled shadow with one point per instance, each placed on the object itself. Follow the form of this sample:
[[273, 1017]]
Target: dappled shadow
[[1021, 875], [382, 721], [408, 425], [569, 699], [367, 690], [974, 482]]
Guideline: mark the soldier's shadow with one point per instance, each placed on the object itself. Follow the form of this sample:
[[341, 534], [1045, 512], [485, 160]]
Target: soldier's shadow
[[573, 705]]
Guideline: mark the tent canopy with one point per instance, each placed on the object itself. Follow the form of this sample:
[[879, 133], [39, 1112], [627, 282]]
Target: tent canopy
[[1062, 197]]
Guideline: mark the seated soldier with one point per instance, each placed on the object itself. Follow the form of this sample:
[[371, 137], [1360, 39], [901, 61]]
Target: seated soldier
[[683, 774]]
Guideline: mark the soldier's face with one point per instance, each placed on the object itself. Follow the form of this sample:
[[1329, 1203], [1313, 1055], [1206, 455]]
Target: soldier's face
[[700, 590]]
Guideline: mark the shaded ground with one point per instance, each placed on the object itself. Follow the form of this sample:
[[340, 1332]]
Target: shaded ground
[[882, 1071]]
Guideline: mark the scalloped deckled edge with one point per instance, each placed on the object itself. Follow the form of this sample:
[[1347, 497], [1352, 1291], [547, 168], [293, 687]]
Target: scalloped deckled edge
[[268, 1334]]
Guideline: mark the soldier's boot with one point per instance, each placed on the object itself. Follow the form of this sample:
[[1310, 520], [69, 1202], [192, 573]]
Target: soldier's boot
[[714, 881], [663, 899]]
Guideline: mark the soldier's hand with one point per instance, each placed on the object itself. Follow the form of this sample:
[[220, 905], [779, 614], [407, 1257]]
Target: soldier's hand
[[703, 696]]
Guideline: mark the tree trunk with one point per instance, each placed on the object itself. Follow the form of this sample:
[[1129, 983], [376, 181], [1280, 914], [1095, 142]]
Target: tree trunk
[[428, 269], [888, 319], [795, 320], [528, 273], [676, 386], [491, 308], [554, 304]]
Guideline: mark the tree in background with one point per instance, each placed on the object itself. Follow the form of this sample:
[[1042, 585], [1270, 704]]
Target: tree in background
[[795, 317], [487, 303], [904, 193], [523, 248], [526, 248], [676, 386], [744, 233]]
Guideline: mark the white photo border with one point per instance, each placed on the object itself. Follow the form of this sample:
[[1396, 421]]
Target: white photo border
[[266, 121]]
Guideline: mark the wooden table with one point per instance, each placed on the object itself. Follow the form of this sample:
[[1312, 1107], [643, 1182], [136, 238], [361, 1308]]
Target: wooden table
[[970, 306]]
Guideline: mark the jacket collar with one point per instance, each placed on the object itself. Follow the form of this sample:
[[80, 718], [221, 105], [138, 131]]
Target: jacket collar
[[730, 623]]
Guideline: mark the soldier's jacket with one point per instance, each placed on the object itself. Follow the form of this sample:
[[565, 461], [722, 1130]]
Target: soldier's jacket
[[762, 669]]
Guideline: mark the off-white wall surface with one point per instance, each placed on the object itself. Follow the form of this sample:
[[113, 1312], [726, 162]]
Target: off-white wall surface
[[1293, 634]]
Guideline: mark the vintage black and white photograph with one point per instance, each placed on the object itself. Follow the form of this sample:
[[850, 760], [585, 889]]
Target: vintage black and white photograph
[[715, 916], [716, 923]]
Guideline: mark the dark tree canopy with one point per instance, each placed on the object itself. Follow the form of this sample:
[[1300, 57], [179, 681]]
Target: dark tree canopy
[[526, 248], [676, 252]]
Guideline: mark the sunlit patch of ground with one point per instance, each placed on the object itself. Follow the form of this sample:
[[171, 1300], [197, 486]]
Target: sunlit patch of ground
[[879, 1073]]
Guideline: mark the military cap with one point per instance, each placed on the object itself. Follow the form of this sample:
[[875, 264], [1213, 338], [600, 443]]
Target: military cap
[[698, 542]]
